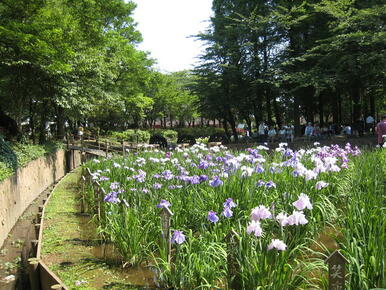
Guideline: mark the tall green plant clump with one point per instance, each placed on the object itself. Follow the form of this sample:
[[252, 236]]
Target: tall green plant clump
[[275, 204], [133, 136], [363, 220]]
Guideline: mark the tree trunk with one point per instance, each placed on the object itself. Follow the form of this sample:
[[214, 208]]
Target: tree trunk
[[372, 106], [42, 125], [356, 98], [296, 115], [268, 108], [277, 113], [32, 121], [339, 110], [60, 123], [335, 108], [320, 108], [232, 122], [248, 122]]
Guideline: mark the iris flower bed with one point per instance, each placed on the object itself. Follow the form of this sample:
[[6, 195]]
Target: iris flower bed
[[240, 219]]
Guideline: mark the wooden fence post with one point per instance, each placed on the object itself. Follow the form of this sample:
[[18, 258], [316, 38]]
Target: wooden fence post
[[33, 273], [82, 202], [336, 271], [234, 281], [166, 215]]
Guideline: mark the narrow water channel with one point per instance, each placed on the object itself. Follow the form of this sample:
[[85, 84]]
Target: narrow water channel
[[73, 250], [14, 253]]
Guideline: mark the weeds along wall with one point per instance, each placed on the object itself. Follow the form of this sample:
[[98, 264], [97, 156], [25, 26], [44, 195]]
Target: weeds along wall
[[21, 189]]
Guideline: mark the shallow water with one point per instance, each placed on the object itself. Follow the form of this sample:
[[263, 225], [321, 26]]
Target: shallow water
[[82, 256]]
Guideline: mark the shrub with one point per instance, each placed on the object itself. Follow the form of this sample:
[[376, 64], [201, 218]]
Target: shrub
[[134, 136], [15, 155], [169, 135]]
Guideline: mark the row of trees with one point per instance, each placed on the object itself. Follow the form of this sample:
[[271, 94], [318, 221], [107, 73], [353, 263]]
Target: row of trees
[[279, 59], [67, 61]]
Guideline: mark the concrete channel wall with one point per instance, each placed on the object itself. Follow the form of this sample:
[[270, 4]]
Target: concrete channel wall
[[20, 190]]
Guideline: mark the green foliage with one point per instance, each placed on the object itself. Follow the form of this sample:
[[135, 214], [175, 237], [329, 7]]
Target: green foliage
[[274, 61], [16, 155], [134, 136], [363, 223], [169, 135], [66, 60], [201, 261], [7, 156]]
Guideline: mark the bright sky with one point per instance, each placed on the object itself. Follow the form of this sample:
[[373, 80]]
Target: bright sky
[[166, 25]]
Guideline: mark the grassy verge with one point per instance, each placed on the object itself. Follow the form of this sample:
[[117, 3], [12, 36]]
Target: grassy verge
[[16, 155]]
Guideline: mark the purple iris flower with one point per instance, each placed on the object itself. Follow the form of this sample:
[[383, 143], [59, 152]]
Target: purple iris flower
[[112, 197], [212, 216], [288, 153], [178, 237], [203, 178], [195, 179], [259, 169], [114, 185], [203, 164], [157, 185], [163, 203], [167, 174], [260, 183], [229, 203], [141, 176], [208, 157], [227, 212], [220, 159], [216, 181], [270, 184]]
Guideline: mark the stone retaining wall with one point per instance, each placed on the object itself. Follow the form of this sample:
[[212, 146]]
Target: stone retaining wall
[[18, 191]]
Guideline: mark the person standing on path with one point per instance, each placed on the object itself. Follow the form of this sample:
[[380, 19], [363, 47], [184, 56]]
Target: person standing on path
[[381, 131], [370, 124], [261, 131]]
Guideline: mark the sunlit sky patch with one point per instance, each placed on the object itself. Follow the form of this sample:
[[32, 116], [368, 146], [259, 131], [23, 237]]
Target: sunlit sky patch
[[166, 27]]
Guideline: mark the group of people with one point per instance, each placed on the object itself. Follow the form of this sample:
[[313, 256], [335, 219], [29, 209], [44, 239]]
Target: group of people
[[285, 133]]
